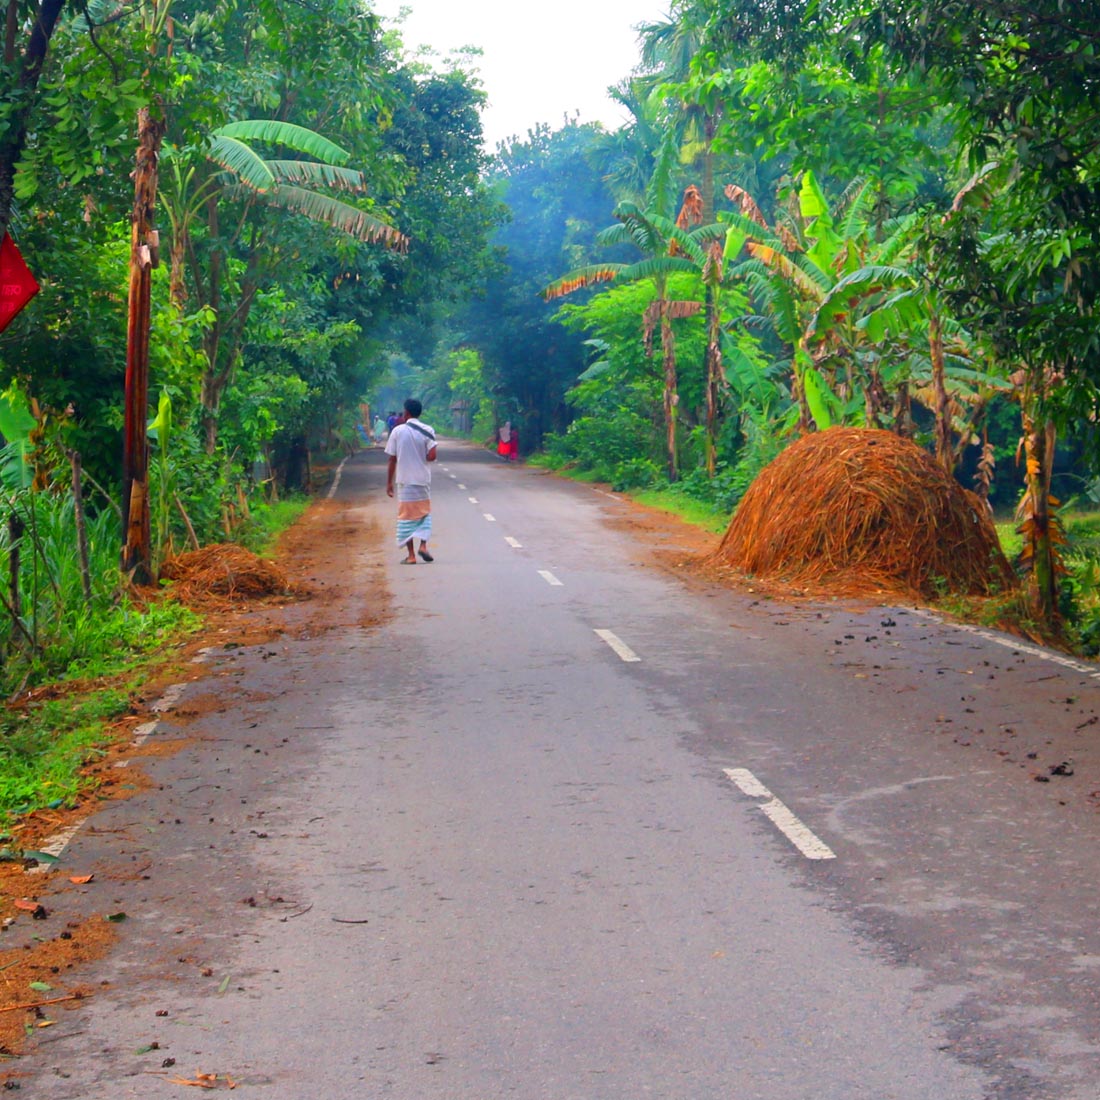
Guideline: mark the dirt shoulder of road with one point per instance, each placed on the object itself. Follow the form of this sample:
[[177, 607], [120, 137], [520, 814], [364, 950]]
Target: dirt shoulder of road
[[322, 594]]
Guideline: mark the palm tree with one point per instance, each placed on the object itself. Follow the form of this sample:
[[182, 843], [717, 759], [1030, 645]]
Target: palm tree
[[240, 172], [668, 249]]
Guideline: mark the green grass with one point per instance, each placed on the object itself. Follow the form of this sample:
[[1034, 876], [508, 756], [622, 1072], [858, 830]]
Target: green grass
[[44, 749], [687, 508], [268, 521]]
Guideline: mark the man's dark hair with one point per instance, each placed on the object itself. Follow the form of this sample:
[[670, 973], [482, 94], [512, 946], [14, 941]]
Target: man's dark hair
[[413, 407]]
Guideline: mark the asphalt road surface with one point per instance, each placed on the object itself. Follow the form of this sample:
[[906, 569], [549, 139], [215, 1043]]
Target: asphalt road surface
[[564, 826]]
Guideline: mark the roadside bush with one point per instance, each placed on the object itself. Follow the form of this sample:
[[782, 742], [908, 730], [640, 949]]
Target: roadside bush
[[607, 446], [636, 473], [49, 628]]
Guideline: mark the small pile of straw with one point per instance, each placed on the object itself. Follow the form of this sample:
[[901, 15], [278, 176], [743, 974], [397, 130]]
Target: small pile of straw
[[861, 510], [223, 570]]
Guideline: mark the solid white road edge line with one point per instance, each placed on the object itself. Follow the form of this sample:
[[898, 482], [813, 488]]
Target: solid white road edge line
[[514, 543], [1011, 643], [780, 815], [57, 843], [550, 578], [336, 480], [618, 645]]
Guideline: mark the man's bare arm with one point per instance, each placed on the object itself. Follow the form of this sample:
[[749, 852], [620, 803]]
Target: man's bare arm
[[391, 473]]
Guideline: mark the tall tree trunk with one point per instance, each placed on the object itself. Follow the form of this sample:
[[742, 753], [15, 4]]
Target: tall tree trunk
[[671, 396], [1039, 527], [945, 455], [137, 553]]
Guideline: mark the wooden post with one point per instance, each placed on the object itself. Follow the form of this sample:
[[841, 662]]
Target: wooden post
[[137, 553]]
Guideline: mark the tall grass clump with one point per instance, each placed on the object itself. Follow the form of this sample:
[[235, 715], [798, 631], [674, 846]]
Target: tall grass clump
[[60, 618]]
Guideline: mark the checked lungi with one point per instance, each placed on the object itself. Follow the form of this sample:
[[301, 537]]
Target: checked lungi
[[414, 513]]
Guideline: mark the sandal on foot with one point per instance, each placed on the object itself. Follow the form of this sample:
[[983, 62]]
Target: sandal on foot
[[405, 561], [425, 555]]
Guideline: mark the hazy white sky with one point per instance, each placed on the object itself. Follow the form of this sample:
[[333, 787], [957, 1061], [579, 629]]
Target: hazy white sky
[[541, 60]]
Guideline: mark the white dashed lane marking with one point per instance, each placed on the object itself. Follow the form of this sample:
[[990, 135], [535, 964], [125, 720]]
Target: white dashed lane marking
[[514, 543], [800, 835], [491, 518], [550, 578], [472, 500], [618, 645], [461, 486]]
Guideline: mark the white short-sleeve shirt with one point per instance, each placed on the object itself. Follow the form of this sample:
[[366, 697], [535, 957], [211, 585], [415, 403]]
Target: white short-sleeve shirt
[[411, 442]]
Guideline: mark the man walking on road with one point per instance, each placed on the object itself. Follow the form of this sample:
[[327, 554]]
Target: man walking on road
[[411, 446]]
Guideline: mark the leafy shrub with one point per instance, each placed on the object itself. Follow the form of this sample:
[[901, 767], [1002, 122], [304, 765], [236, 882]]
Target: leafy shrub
[[606, 445], [636, 473]]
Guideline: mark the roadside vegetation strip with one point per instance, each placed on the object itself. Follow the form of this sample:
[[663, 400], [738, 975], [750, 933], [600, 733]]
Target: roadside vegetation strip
[[780, 815], [618, 646], [58, 728]]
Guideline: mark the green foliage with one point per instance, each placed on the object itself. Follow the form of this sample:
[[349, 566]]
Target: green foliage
[[618, 448], [269, 519], [43, 749]]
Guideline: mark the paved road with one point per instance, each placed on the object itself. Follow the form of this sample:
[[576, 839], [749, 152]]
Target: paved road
[[566, 828]]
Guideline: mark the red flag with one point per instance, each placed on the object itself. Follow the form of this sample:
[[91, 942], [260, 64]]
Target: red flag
[[17, 284]]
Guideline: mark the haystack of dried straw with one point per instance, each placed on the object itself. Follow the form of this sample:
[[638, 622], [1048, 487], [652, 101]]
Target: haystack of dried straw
[[862, 510], [223, 570]]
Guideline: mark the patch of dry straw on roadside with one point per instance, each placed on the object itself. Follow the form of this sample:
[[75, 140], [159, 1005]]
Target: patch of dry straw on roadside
[[861, 510], [223, 571]]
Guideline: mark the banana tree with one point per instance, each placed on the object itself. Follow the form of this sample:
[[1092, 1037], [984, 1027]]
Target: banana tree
[[668, 249], [797, 271], [229, 168]]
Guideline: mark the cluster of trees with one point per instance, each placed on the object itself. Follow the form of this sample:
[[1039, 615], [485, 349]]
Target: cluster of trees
[[266, 197], [822, 212]]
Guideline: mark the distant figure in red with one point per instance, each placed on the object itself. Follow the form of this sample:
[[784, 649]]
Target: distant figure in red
[[513, 447], [504, 440]]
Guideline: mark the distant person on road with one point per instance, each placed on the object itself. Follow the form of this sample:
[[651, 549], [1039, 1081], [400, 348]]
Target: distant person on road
[[513, 447], [381, 432], [411, 447], [504, 439]]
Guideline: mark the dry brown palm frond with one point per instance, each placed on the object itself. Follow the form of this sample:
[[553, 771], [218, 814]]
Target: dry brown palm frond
[[745, 203], [691, 209]]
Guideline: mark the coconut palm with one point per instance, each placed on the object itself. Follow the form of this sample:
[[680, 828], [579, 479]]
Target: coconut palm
[[232, 168]]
